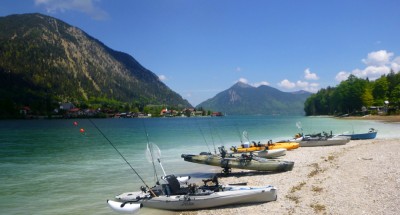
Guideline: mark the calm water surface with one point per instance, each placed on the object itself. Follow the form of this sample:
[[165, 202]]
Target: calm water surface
[[50, 167]]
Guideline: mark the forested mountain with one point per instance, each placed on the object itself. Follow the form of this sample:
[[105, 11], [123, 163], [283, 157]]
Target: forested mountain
[[353, 94], [242, 99], [44, 61]]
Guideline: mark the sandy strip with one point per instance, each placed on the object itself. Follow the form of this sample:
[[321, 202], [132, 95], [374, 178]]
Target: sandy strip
[[361, 177], [390, 118]]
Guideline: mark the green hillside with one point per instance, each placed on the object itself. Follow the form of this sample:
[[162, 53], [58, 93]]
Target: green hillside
[[44, 61]]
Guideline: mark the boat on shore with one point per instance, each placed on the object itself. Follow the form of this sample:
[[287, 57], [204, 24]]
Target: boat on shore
[[249, 162], [244, 162], [371, 134], [262, 152], [271, 153], [324, 139], [170, 195], [267, 146]]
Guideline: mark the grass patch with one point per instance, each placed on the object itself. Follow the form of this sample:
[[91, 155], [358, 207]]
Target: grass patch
[[315, 171], [318, 208], [331, 157], [294, 198], [317, 189], [298, 187]]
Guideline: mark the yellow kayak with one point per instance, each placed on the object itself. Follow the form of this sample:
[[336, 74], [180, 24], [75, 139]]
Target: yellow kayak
[[269, 145], [249, 149], [284, 145]]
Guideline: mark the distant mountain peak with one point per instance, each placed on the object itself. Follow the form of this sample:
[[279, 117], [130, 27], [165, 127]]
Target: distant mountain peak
[[244, 99], [301, 92], [242, 85]]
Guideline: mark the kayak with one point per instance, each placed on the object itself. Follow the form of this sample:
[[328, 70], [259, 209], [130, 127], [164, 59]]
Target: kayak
[[283, 145], [371, 134], [267, 146], [170, 195], [271, 153], [132, 196], [244, 162], [208, 200], [324, 141]]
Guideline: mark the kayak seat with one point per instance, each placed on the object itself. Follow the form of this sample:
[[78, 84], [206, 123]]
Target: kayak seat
[[173, 187]]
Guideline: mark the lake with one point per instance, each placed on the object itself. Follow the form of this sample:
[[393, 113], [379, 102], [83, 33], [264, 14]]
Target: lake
[[51, 167]]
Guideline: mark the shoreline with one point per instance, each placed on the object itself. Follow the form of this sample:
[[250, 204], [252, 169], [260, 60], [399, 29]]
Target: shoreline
[[361, 177], [388, 118]]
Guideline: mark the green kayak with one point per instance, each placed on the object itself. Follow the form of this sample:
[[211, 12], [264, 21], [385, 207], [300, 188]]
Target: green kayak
[[244, 162]]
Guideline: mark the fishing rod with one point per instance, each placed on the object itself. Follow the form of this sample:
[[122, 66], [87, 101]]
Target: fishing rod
[[122, 157], [150, 148], [240, 136], [212, 138], [202, 134]]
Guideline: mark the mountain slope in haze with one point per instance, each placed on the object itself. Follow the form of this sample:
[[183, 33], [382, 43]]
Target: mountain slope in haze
[[243, 99], [43, 60]]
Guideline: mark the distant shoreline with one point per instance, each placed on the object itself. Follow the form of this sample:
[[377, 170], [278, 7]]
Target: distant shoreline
[[390, 118]]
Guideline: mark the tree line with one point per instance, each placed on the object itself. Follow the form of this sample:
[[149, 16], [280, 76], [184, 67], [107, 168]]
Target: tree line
[[356, 95]]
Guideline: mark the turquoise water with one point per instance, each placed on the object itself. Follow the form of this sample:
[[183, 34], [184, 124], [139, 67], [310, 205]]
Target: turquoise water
[[50, 167]]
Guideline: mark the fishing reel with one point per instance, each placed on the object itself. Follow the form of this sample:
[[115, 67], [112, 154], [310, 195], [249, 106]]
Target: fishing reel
[[143, 189]]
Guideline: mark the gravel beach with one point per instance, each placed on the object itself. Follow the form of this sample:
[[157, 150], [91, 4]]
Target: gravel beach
[[361, 177]]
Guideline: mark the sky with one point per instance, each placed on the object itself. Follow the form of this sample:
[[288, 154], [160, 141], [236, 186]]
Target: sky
[[199, 48]]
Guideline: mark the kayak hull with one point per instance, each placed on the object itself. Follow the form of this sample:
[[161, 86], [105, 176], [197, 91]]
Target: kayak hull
[[259, 164], [241, 195], [364, 136], [324, 142], [270, 146], [272, 153]]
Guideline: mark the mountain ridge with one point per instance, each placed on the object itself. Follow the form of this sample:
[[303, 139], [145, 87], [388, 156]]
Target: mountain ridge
[[44, 60], [244, 99]]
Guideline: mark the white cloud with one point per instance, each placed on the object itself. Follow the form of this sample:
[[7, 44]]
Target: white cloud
[[302, 84], [372, 72], [313, 87], [162, 77], [85, 6], [395, 65], [243, 80], [378, 58], [377, 64], [310, 76], [260, 83], [286, 84], [342, 76], [238, 69]]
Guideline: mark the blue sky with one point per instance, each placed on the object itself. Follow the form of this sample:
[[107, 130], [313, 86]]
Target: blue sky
[[201, 47]]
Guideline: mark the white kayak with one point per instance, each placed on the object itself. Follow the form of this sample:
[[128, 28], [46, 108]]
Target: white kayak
[[323, 141], [132, 196], [175, 197], [124, 207], [181, 202], [272, 153]]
